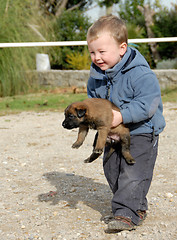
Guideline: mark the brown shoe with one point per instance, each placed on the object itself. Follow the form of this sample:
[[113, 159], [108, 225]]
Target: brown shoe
[[142, 215], [119, 224]]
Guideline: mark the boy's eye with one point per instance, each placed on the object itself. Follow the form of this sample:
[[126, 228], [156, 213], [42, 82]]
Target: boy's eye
[[102, 52]]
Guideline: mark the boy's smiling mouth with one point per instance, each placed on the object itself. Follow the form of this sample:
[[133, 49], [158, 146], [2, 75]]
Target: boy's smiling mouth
[[100, 64]]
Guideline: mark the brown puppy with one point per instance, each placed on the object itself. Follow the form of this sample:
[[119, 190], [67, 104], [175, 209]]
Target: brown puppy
[[96, 113]]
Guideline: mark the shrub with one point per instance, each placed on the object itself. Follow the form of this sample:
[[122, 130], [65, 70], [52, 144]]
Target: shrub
[[167, 64], [70, 26], [79, 60]]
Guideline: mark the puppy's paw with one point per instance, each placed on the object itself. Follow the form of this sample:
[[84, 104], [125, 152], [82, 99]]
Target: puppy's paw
[[90, 159], [130, 161], [128, 157], [87, 160], [76, 145]]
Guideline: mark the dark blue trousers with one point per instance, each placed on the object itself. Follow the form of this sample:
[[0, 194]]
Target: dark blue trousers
[[130, 183]]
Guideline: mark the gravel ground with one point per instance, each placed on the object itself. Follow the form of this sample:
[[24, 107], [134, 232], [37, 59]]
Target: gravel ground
[[47, 192]]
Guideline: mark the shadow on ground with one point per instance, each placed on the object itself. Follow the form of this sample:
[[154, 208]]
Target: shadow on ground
[[74, 189]]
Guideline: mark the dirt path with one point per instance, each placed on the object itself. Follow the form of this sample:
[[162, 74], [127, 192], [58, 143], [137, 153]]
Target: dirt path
[[47, 192]]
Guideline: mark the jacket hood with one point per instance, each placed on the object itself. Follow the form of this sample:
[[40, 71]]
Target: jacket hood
[[131, 59]]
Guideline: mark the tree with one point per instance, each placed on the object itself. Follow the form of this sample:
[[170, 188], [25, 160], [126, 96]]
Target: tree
[[56, 7], [130, 13], [149, 13], [165, 26], [141, 14], [108, 4]]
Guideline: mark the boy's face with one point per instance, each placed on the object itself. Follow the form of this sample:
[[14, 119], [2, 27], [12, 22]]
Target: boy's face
[[105, 52]]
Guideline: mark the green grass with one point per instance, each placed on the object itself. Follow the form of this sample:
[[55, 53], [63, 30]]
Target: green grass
[[169, 94], [56, 101], [38, 102]]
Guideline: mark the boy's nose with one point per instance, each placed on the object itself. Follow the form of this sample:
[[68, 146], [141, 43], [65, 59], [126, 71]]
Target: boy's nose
[[97, 57]]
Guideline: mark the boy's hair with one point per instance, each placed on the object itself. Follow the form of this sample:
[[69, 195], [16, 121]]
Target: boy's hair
[[110, 23]]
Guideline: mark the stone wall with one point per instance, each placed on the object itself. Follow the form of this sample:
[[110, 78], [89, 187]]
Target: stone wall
[[78, 78], [167, 78]]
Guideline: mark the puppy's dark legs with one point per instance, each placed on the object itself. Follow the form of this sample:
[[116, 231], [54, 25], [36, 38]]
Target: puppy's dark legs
[[92, 157], [101, 139], [95, 140], [83, 130], [125, 143], [98, 145]]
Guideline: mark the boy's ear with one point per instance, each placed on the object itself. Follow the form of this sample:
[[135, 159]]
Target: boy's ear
[[123, 48]]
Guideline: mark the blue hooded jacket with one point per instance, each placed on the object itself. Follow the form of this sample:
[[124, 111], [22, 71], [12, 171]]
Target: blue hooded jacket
[[133, 87]]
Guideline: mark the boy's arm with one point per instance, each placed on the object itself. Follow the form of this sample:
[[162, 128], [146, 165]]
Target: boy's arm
[[147, 96]]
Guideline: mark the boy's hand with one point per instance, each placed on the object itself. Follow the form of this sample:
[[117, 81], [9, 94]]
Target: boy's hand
[[117, 119]]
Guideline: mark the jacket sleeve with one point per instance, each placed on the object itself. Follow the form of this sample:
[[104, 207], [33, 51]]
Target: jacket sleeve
[[145, 101], [91, 88]]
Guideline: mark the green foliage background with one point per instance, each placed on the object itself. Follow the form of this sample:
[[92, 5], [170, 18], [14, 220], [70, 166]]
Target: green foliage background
[[166, 26], [130, 13], [70, 26], [165, 22], [15, 63], [17, 17]]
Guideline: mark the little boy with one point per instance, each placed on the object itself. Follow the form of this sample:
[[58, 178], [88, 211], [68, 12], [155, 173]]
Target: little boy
[[121, 74]]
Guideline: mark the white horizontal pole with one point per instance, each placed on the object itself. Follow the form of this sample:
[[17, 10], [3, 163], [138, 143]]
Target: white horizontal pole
[[150, 40], [81, 43], [43, 44]]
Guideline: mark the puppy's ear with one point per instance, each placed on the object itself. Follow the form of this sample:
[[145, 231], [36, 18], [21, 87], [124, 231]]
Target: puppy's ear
[[66, 109], [80, 112]]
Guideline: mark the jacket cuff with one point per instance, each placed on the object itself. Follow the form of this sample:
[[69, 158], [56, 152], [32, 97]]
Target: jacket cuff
[[126, 116]]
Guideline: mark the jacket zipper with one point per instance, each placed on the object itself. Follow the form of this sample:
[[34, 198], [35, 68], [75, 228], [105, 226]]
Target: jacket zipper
[[108, 86]]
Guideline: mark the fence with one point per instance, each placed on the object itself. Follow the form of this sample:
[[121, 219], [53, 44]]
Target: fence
[[79, 78], [81, 43]]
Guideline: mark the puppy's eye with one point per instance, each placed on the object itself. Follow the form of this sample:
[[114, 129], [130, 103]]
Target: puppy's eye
[[71, 116]]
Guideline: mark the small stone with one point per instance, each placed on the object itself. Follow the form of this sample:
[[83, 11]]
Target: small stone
[[23, 164], [70, 174], [72, 190], [124, 234], [160, 176], [169, 195], [55, 214], [144, 234]]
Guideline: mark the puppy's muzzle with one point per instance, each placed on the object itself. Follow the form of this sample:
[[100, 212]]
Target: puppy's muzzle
[[69, 124], [66, 125]]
